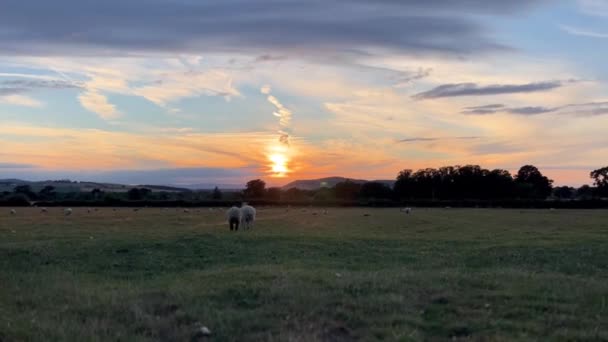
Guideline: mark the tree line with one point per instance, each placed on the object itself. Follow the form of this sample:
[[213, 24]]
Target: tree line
[[468, 182]]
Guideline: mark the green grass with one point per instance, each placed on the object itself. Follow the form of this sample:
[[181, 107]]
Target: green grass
[[437, 274]]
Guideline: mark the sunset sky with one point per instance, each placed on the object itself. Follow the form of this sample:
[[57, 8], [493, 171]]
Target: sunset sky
[[223, 91]]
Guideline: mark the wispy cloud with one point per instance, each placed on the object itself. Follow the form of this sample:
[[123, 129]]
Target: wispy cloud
[[98, 103], [574, 109], [584, 32], [473, 89], [20, 100], [424, 139]]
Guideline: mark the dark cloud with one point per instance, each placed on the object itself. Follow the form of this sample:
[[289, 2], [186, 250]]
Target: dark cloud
[[13, 87], [406, 77], [531, 110], [423, 139], [473, 89], [482, 110], [270, 58], [87, 27], [30, 84], [575, 109]]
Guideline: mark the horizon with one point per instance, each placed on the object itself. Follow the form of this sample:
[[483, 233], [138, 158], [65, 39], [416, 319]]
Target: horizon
[[225, 92]]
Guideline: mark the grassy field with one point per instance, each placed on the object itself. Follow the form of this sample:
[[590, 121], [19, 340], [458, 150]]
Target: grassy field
[[353, 274]]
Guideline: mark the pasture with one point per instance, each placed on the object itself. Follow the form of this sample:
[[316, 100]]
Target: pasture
[[352, 274]]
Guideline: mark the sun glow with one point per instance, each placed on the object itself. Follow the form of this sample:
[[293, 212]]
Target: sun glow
[[278, 161]]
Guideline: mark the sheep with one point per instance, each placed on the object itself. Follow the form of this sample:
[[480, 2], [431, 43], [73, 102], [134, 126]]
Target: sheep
[[186, 211], [247, 216], [44, 210], [13, 212], [67, 211], [234, 217], [406, 210]]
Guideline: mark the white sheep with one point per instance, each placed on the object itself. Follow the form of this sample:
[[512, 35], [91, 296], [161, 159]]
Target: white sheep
[[13, 212], [247, 216], [234, 217], [406, 210], [67, 211]]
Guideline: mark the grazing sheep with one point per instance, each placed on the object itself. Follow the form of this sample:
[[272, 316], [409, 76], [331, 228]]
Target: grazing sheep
[[234, 217], [67, 211], [13, 212], [247, 216], [406, 210], [44, 210], [186, 211]]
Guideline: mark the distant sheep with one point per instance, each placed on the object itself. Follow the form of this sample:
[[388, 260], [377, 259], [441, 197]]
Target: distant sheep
[[186, 211], [406, 210], [234, 218], [67, 211], [247, 216], [13, 212], [44, 210]]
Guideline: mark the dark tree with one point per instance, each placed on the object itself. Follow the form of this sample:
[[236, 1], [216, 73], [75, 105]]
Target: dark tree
[[24, 190], [273, 194], [585, 192], [404, 185], [600, 180], [47, 193], [216, 194], [136, 194], [295, 194], [564, 192], [532, 184], [375, 190], [255, 189], [347, 190], [96, 193]]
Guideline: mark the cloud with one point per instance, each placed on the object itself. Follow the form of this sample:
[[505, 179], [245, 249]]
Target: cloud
[[39, 84], [583, 32], [20, 100], [473, 89], [405, 78], [12, 91], [270, 58], [575, 109], [74, 27], [97, 103], [423, 139]]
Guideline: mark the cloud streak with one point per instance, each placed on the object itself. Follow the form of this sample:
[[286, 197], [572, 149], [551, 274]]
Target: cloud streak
[[574, 109], [72, 27], [425, 139], [473, 89]]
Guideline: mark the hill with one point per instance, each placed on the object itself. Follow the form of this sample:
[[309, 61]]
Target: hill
[[328, 182], [75, 186]]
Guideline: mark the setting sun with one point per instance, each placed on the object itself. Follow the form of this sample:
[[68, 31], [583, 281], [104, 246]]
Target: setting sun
[[278, 164]]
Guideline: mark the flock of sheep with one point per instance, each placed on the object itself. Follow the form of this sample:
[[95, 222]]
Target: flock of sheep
[[243, 216]]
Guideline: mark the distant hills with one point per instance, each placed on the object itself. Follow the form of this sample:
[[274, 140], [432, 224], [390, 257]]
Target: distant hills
[[328, 182], [73, 186]]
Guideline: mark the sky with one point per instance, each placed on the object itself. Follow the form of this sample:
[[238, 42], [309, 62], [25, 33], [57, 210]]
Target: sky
[[223, 91]]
